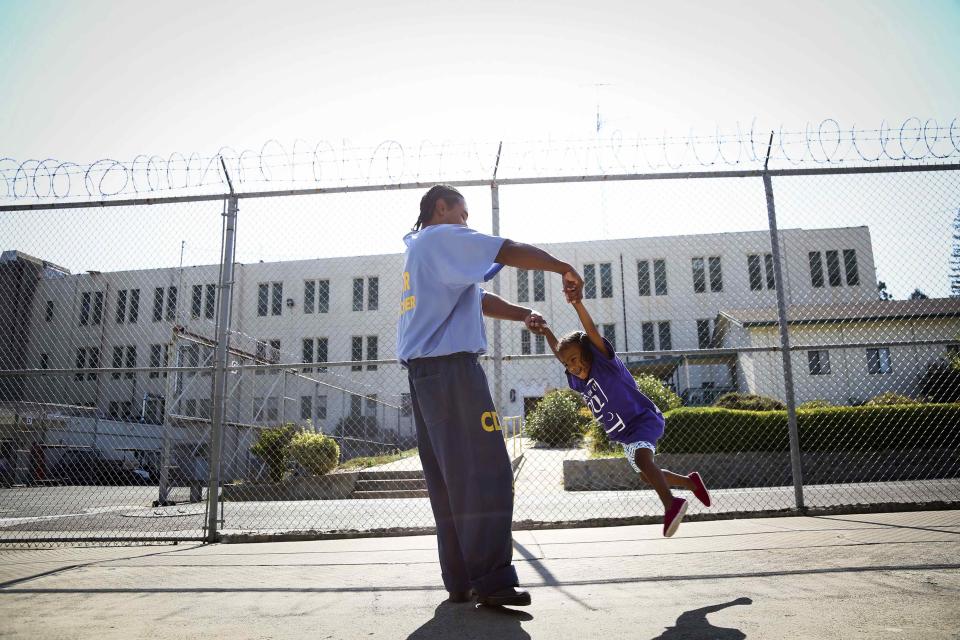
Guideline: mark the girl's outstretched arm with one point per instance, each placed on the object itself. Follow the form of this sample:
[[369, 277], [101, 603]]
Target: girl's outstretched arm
[[595, 338], [551, 340]]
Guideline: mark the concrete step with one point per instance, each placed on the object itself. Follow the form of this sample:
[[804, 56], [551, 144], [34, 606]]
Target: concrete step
[[372, 495], [390, 485]]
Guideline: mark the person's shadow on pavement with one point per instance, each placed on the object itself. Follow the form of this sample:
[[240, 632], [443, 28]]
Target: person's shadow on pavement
[[693, 625], [466, 621]]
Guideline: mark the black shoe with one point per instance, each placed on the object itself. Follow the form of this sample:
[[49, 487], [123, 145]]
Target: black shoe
[[460, 596], [509, 597]]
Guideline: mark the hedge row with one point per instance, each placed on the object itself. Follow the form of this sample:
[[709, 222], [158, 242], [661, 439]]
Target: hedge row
[[876, 428]]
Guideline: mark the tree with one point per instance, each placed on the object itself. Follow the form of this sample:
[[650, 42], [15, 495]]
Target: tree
[[955, 259], [882, 291], [918, 295]]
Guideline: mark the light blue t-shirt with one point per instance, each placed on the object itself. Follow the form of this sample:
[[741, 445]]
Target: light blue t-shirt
[[440, 300]]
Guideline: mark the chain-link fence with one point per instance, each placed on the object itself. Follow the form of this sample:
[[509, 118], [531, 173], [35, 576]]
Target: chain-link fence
[[153, 350]]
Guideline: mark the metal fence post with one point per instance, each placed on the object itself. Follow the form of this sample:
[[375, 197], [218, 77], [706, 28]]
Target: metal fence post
[[497, 328], [796, 467], [224, 301], [170, 394]]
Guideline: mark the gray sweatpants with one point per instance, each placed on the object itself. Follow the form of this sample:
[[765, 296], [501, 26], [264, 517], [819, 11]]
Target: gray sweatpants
[[467, 471]]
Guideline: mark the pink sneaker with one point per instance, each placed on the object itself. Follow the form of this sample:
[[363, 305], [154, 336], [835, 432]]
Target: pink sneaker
[[674, 516], [700, 489]]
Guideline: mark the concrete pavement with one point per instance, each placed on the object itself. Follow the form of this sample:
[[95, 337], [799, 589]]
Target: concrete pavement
[[865, 576]]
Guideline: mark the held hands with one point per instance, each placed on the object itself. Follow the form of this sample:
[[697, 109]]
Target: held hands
[[535, 323], [573, 286]]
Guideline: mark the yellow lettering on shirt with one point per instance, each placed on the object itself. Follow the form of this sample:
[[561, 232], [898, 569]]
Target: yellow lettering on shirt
[[406, 282], [408, 304], [490, 422]]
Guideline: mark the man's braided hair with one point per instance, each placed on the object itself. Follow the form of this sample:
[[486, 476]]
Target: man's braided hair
[[429, 202]]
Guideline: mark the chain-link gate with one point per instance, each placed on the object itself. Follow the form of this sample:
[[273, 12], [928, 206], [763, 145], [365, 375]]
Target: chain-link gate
[[169, 380]]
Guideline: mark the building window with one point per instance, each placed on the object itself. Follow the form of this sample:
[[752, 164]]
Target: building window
[[850, 266], [44, 361], [606, 280], [878, 360], [322, 347], [833, 268], [308, 354], [196, 301], [97, 314], [647, 331], [660, 277], [133, 312], [204, 408], [321, 407], [356, 403], [539, 286], [263, 299], [171, 303], [158, 304], [373, 351], [703, 334], [358, 294], [524, 342], [210, 303], [356, 352], [699, 275], [663, 329], [87, 358], [121, 314], [276, 298], [716, 274], [406, 405], [523, 285], [49, 315], [816, 269], [274, 354], [643, 277], [818, 362], [540, 344], [373, 293], [153, 413], [589, 281], [117, 362], [760, 270], [609, 332], [309, 296], [273, 413], [306, 407], [81, 363], [323, 296], [158, 358], [85, 308], [372, 404]]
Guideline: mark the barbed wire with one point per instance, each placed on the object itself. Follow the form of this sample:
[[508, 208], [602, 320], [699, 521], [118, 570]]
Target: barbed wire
[[328, 165]]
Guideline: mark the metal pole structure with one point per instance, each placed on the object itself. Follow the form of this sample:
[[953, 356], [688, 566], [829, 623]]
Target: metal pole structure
[[784, 336], [283, 398], [497, 328], [170, 391], [220, 367]]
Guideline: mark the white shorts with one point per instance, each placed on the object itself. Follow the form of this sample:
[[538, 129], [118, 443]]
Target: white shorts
[[630, 450]]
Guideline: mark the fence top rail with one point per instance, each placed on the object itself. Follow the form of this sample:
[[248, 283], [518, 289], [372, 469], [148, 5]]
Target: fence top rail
[[557, 179]]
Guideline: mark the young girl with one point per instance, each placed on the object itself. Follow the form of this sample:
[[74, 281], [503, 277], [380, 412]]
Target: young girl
[[629, 417]]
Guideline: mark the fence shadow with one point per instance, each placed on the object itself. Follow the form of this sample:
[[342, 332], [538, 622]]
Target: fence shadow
[[470, 621], [693, 625]]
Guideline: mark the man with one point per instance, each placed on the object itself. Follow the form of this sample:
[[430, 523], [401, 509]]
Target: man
[[439, 336]]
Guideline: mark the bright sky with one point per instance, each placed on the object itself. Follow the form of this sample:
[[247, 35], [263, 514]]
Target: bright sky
[[96, 79]]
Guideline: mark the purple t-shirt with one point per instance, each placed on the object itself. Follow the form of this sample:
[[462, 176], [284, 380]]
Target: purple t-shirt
[[616, 402]]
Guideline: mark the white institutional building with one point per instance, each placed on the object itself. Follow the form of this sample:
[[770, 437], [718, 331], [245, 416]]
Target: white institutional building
[[677, 293]]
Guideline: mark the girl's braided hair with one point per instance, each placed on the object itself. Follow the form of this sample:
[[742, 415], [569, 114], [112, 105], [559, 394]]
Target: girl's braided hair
[[429, 202], [581, 340]]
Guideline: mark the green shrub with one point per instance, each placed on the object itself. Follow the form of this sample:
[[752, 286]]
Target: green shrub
[[652, 387], [271, 447], [815, 404], [889, 398], [941, 381], [748, 402], [315, 452], [867, 428], [556, 421]]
